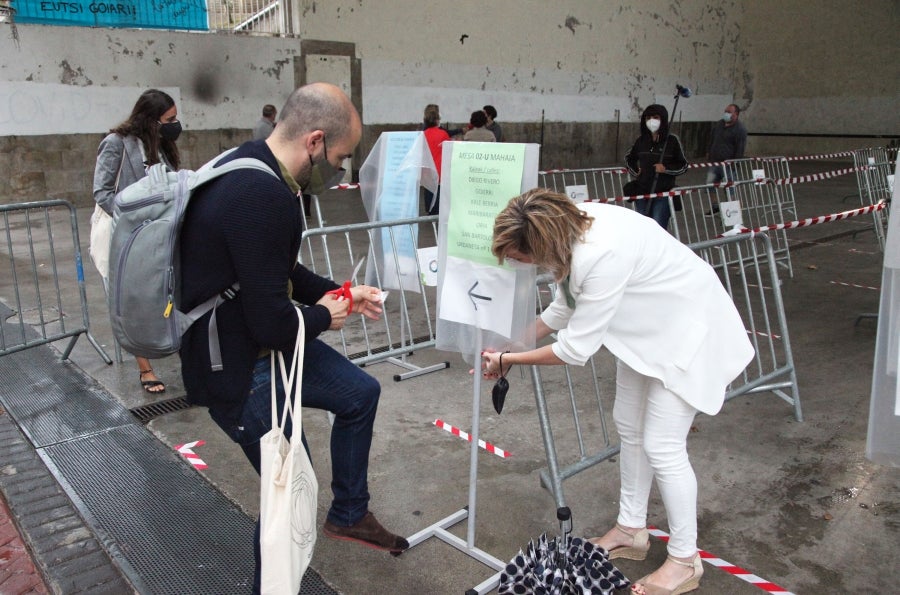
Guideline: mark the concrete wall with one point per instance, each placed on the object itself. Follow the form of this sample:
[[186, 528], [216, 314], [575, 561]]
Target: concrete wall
[[573, 74]]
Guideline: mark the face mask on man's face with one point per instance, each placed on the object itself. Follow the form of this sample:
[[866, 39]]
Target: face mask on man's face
[[726, 117], [653, 124], [170, 130], [323, 175]]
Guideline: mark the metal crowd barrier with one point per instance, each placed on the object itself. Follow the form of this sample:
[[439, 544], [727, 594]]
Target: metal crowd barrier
[[761, 204], [601, 182], [696, 221], [872, 178], [407, 323], [43, 254], [765, 204], [751, 281]]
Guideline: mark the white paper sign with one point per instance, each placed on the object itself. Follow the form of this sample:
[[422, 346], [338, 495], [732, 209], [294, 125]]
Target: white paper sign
[[890, 182], [759, 175], [477, 295], [731, 213], [428, 265], [577, 194]]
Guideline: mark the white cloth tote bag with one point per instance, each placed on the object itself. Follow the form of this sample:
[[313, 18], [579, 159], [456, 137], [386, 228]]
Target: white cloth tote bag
[[288, 487]]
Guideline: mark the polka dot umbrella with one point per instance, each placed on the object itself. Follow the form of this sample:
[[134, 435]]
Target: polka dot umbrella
[[561, 565]]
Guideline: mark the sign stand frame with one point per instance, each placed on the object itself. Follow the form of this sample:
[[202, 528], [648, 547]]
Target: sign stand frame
[[439, 529]]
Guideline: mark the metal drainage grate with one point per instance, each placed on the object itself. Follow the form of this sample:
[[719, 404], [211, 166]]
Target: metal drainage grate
[[145, 413]]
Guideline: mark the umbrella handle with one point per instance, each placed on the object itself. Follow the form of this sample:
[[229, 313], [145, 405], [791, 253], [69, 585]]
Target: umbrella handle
[[564, 516]]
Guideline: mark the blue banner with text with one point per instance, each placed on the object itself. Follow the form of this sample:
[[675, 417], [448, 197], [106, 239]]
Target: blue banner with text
[[152, 14]]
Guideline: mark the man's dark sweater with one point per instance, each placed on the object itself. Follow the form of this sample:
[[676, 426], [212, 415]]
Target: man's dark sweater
[[727, 142], [244, 227]]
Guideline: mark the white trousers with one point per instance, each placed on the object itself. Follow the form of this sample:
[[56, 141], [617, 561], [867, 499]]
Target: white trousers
[[653, 424]]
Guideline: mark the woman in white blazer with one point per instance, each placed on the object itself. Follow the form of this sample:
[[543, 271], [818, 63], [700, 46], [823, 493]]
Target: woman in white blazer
[[626, 283]]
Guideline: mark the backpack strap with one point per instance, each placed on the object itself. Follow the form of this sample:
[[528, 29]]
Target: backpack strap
[[206, 173], [215, 351], [210, 171]]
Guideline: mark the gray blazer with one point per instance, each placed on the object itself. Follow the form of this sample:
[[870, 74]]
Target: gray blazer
[[117, 152]]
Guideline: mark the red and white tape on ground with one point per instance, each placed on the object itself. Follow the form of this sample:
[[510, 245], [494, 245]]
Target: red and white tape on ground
[[730, 568], [811, 221], [186, 450], [485, 445], [854, 285]]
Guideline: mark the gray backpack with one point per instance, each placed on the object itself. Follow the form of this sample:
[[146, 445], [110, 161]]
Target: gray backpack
[[144, 275]]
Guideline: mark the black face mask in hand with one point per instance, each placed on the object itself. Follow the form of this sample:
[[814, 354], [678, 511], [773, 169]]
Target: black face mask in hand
[[501, 387]]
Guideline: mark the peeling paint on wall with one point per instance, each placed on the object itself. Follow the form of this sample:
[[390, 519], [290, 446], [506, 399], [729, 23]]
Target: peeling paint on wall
[[73, 76]]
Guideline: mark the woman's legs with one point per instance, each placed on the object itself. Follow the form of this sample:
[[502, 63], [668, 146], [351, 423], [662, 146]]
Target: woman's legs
[[653, 424], [667, 422], [635, 472]]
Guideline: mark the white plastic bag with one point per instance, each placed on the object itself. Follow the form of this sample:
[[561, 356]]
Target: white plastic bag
[[288, 487]]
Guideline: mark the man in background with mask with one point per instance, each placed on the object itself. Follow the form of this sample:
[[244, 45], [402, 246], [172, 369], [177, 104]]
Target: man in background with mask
[[727, 141], [245, 227]]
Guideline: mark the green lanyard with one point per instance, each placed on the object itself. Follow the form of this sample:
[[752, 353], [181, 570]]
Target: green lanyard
[[570, 300]]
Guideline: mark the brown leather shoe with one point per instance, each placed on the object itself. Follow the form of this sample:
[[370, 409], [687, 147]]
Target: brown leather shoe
[[369, 532]]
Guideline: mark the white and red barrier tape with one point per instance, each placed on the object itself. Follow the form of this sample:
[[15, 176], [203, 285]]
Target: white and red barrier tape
[[345, 187], [816, 177], [612, 170], [641, 196], [730, 568], [805, 222], [796, 158], [485, 445], [186, 450]]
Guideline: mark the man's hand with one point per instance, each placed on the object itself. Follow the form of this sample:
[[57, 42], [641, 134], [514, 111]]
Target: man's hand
[[660, 168], [338, 307], [367, 301]]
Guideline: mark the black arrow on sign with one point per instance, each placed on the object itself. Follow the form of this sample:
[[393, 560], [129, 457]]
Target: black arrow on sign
[[473, 296]]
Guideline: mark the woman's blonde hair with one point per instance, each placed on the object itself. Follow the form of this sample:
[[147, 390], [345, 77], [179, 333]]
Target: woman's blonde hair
[[544, 225]]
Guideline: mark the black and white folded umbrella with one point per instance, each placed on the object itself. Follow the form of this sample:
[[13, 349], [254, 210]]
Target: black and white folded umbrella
[[561, 565]]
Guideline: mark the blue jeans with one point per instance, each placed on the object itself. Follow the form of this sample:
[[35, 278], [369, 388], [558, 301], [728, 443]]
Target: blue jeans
[[332, 383], [656, 208]]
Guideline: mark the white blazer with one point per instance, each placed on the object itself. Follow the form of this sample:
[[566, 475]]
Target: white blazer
[[655, 304]]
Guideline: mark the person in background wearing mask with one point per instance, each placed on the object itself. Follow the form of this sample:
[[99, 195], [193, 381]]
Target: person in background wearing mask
[[147, 137], [266, 124], [727, 141], [491, 112], [245, 227], [654, 160]]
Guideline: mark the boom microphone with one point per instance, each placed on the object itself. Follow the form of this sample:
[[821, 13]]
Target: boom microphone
[[683, 91]]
